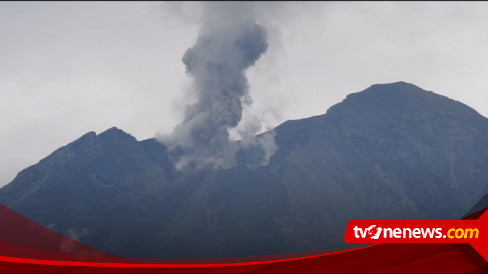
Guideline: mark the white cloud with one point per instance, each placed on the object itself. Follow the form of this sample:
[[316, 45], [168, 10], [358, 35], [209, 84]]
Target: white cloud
[[68, 68]]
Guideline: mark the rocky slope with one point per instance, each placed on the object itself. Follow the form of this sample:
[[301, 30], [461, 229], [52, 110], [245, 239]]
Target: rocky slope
[[390, 151]]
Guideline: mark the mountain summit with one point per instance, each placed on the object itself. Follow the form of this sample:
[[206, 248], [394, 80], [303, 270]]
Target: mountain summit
[[390, 151]]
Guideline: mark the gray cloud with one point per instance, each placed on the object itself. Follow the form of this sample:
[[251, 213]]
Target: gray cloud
[[69, 68], [230, 41], [74, 234]]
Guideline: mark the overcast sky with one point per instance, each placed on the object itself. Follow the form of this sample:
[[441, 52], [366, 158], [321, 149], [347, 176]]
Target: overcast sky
[[69, 68]]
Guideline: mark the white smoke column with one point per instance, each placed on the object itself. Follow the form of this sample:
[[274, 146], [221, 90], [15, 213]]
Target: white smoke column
[[230, 41]]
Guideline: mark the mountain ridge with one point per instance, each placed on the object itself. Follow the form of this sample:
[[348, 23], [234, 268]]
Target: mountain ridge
[[389, 151]]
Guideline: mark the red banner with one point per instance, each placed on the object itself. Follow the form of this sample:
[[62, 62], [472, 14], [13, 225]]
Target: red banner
[[473, 232], [26, 247]]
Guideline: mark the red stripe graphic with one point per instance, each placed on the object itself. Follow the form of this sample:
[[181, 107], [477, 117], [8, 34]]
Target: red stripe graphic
[[26, 247]]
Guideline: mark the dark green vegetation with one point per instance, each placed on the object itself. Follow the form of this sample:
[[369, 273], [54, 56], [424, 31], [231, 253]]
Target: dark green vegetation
[[390, 151]]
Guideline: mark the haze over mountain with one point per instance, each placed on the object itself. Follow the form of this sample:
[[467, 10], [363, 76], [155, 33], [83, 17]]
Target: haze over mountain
[[390, 151]]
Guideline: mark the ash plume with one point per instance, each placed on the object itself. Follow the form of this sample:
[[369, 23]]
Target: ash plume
[[230, 41]]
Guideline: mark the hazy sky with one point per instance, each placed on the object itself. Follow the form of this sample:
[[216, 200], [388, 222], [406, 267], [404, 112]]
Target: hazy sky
[[69, 68]]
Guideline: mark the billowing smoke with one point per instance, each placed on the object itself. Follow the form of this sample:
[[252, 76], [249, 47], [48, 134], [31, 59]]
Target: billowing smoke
[[230, 41]]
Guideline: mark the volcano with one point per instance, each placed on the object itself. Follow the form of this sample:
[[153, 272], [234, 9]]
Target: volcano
[[391, 151]]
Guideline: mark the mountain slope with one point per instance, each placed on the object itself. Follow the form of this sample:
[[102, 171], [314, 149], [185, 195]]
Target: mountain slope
[[390, 151]]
